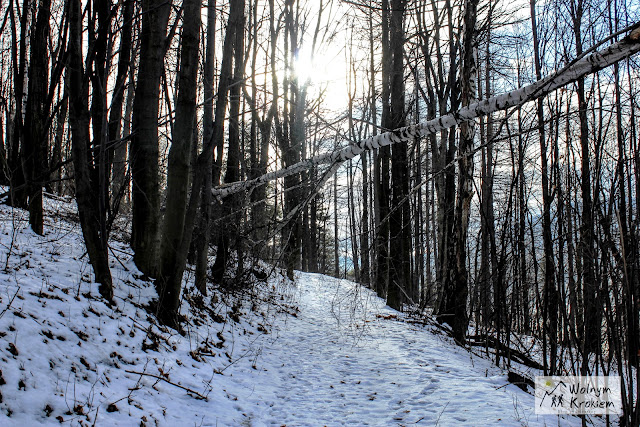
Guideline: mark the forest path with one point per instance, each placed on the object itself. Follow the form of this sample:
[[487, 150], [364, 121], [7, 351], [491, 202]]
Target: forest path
[[346, 359]]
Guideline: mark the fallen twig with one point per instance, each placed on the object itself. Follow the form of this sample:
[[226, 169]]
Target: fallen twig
[[10, 302], [187, 389]]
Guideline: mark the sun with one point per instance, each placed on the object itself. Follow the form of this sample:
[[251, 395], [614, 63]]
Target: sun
[[323, 72], [305, 68]]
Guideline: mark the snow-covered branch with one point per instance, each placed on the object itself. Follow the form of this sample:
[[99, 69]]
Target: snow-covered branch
[[572, 72]]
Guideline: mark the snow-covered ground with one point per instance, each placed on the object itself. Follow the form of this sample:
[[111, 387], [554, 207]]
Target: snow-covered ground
[[340, 358], [346, 359]]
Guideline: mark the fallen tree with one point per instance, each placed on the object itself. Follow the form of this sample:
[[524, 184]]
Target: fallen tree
[[588, 63]]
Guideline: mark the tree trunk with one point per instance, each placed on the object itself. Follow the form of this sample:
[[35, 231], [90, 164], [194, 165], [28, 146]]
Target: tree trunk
[[487, 220], [230, 215], [365, 272], [144, 154], [17, 194], [453, 308], [179, 169], [118, 144], [550, 301], [201, 237], [36, 127], [336, 246], [382, 173], [84, 161], [591, 336], [399, 217], [200, 188]]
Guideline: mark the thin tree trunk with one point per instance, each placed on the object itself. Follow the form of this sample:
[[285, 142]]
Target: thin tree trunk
[[87, 186], [336, 247], [201, 238], [365, 272], [55, 176], [200, 188], [18, 194], [487, 220], [353, 232], [591, 339], [453, 309], [230, 215], [549, 309], [118, 144]]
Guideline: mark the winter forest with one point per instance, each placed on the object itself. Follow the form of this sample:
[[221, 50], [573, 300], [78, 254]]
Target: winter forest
[[474, 162]]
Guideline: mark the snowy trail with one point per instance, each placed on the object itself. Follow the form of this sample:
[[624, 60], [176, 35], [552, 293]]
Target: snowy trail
[[343, 361]]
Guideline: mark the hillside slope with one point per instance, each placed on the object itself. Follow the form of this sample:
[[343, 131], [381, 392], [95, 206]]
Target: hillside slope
[[320, 351]]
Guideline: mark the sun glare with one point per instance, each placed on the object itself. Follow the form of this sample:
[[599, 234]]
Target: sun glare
[[324, 72], [305, 69]]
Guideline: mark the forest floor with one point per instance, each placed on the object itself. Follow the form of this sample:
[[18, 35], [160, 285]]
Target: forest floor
[[319, 351]]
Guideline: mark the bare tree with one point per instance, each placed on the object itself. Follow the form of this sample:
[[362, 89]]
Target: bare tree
[[144, 139], [168, 283], [88, 153], [34, 148]]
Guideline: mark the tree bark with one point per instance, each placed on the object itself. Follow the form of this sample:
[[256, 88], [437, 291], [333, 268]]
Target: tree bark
[[179, 168], [201, 237], [144, 154], [591, 336], [118, 144], [550, 301], [36, 127], [200, 188], [84, 161], [399, 216], [17, 194], [230, 204], [453, 307], [382, 172]]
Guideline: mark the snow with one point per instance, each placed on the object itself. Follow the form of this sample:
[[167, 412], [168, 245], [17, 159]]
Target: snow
[[320, 351]]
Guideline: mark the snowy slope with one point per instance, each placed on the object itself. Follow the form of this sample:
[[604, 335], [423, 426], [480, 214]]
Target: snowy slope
[[343, 358]]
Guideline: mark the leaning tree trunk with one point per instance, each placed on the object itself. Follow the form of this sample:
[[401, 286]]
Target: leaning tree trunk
[[578, 68]]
